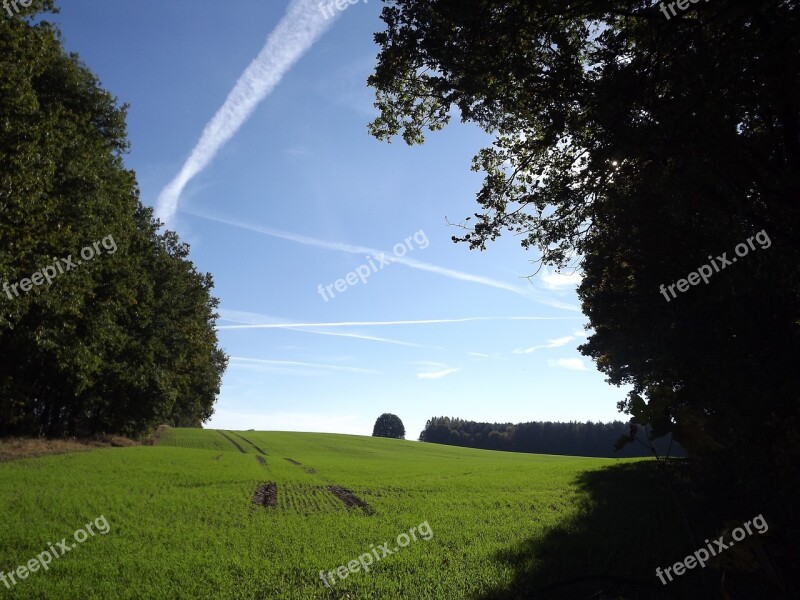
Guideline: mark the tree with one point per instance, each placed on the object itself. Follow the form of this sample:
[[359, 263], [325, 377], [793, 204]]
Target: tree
[[389, 426], [123, 341], [639, 149], [634, 147]]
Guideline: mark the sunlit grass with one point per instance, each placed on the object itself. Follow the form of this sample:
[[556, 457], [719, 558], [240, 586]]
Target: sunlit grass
[[183, 524]]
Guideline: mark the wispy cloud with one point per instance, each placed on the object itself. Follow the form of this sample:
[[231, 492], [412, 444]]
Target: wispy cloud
[[437, 374], [361, 336], [283, 325], [526, 291], [559, 281], [283, 366], [571, 364], [557, 343], [247, 320], [297, 31]]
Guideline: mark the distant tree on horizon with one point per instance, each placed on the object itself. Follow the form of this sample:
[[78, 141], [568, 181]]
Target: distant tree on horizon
[[389, 426]]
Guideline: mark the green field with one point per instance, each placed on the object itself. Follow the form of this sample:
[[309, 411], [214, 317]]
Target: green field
[[183, 524]]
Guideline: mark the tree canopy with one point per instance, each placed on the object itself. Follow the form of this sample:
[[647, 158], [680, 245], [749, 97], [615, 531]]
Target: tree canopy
[[633, 147], [127, 339], [638, 149], [389, 426]]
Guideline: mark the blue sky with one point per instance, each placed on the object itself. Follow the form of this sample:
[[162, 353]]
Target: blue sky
[[287, 194]]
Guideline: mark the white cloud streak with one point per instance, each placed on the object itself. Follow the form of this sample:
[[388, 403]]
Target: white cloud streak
[[296, 32], [557, 343], [387, 323], [361, 336], [437, 374], [560, 281], [247, 320], [528, 292], [282, 365]]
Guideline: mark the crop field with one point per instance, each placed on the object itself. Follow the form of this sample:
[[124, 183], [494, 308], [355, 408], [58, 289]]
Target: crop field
[[224, 514]]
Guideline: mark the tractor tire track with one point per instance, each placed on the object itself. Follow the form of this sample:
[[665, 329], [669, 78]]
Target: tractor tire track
[[242, 450], [260, 451]]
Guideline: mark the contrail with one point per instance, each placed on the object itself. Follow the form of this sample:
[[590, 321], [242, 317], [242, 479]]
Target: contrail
[[359, 336], [250, 319], [389, 323], [297, 31], [557, 343], [527, 292], [437, 374], [291, 363]]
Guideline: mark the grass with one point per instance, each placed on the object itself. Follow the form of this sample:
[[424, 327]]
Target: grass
[[182, 523]]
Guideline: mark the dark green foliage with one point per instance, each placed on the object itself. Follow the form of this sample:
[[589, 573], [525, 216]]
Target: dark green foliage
[[633, 147], [126, 340], [572, 439], [389, 426]]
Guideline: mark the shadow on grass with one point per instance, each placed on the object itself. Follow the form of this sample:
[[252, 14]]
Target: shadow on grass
[[628, 525]]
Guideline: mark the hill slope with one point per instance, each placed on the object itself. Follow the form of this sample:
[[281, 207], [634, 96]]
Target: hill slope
[[183, 524]]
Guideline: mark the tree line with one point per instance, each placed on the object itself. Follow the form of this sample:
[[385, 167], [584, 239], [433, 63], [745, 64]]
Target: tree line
[[543, 437], [121, 342]]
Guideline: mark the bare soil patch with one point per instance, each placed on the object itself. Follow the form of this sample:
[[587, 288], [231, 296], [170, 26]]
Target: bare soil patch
[[156, 437], [294, 462], [349, 499], [310, 471], [261, 459], [266, 495], [18, 448]]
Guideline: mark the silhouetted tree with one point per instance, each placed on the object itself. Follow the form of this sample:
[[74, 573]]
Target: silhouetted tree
[[389, 426], [639, 148]]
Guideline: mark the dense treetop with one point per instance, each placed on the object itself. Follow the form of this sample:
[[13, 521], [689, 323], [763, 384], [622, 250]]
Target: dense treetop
[[389, 426], [126, 339]]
